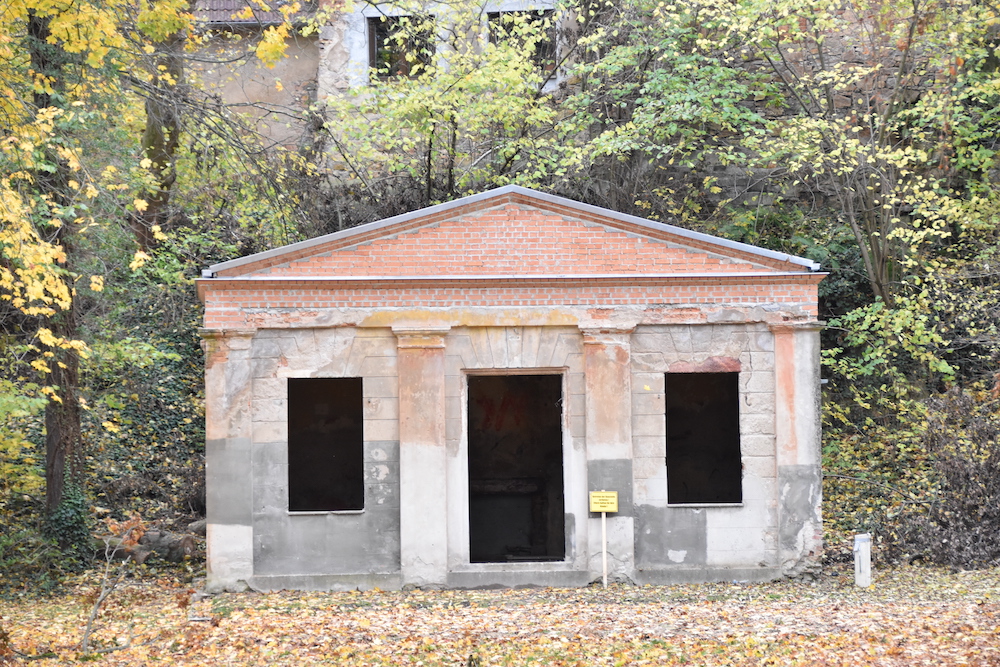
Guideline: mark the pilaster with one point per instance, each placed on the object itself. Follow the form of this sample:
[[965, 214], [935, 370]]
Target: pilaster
[[797, 443], [229, 497], [423, 487], [608, 405]]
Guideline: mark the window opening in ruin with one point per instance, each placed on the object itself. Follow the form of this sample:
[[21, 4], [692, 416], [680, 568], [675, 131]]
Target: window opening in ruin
[[703, 438], [516, 468], [506, 26], [400, 45], [325, 450]]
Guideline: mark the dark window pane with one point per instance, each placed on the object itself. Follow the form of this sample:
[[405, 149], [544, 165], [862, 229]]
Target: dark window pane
[[400, 45], [513, 26], [703, 438], [325, 451]]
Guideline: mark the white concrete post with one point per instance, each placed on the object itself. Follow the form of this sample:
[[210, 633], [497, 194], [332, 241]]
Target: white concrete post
[[863, 560]]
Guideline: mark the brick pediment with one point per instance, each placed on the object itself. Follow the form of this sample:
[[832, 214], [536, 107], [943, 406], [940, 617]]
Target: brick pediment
[[511, 232]]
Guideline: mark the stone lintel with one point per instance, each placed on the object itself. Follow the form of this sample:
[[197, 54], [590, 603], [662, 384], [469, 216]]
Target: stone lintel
[[791, 327], [420, 337], [610, 335]]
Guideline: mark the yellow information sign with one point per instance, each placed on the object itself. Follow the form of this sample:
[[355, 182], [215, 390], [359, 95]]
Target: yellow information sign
[[603, 501]]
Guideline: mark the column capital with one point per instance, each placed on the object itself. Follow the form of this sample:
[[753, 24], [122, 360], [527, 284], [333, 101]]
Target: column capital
[[217, 343], [420, 336]]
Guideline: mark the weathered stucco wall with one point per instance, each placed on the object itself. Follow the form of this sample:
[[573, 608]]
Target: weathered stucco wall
[[274, 99]]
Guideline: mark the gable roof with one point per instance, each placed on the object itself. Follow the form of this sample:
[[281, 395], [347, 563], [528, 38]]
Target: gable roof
[[229, 13], [471, 238]]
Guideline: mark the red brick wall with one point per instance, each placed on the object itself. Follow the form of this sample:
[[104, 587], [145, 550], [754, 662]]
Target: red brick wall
[[507, 240]]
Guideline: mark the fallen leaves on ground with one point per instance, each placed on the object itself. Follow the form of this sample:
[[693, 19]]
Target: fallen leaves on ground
[[911, 616]]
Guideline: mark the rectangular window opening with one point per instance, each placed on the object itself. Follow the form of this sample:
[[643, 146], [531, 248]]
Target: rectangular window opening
[[519, 26], [400, 45], [516, 469], [703, 438], [325, 448]]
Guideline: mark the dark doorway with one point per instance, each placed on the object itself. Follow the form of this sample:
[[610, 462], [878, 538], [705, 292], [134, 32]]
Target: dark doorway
[[515, 468], [703, 438], [325, 445]]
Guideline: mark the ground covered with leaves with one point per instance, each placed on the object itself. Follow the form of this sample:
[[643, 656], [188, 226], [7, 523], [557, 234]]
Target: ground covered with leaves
[[910, 616]]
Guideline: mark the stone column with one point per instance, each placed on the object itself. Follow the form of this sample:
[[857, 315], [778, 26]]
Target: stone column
[[797, 443], [228, 474], [608, 403], [423, 498]]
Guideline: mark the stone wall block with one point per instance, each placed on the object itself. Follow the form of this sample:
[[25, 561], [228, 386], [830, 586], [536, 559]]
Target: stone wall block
[[378, 367], [272, 431], [266, 368], [460, 345], [381, 429], [531, 338], [381, 472], [497, 337], [681, 336], [363, 349], [480, 340], [651, 491], [269, 454], [646, 341], [762, 361], [757, 425], [566, 348], [381, 450], [546, 345], [265, 389], [759, 467], [757, 382], [647, 361], [649, 425], [382, 495], [644, 467], [757, 403], [382, 387], [644, 383], [650, 446], [269, 410], [763, 342], [513, 344], [648, 403], [265, 348], [703, 339], [380, 408], [757, 444]]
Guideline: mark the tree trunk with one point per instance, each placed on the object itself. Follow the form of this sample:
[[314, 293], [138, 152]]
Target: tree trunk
[[161, 137], [63, 450], [63, 455]]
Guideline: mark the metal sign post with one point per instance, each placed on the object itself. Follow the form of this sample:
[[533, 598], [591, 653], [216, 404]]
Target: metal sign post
[[604, 502]]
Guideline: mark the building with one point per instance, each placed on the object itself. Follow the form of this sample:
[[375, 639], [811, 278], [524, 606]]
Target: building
[[427, 400]]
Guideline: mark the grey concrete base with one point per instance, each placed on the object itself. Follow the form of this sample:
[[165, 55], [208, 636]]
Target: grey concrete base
[[326, 582], [701, 575], [522, 578]]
